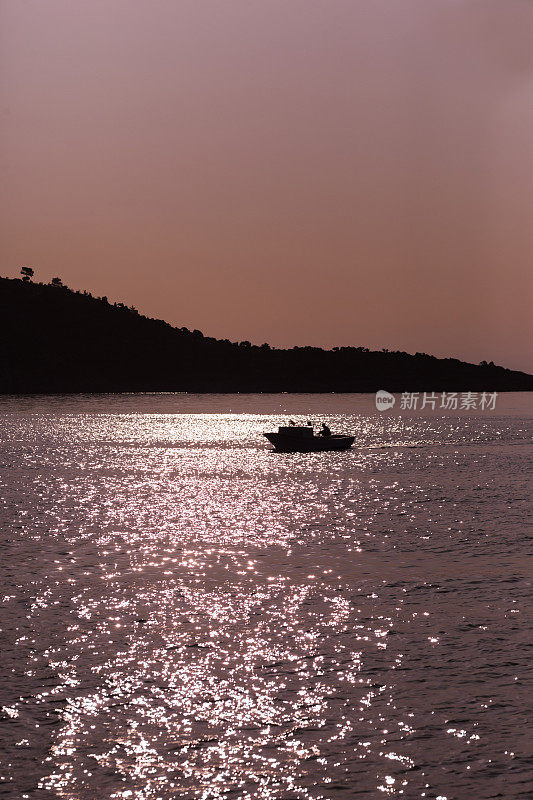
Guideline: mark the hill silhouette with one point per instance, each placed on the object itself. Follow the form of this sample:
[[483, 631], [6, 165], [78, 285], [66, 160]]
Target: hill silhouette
[[54, 339]]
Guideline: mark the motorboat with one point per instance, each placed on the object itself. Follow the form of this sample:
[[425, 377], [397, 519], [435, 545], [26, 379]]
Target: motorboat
[[302, 439]]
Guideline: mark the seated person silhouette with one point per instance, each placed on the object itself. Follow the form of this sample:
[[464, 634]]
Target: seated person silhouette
[[325, 430]]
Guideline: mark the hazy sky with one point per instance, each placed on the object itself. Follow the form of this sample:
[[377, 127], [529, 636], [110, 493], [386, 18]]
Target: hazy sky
[[290, 171]]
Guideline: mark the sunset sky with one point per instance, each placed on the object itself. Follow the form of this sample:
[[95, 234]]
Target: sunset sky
[[353, 172]]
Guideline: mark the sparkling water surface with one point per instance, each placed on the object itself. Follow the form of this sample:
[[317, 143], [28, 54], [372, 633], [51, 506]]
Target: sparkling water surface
[[187, 614]]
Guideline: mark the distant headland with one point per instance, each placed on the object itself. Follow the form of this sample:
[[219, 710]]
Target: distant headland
[[54, 339]]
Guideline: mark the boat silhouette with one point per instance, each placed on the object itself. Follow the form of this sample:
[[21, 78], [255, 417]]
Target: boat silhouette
[[302, 439]]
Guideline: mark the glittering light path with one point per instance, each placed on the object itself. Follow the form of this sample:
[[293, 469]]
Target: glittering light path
[[192, 616]]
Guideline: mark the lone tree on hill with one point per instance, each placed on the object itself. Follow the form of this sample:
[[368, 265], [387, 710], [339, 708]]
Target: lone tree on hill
[[56, 282], [27, 274]]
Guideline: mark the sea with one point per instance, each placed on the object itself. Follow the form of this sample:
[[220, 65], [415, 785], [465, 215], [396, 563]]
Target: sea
[[187, 614]]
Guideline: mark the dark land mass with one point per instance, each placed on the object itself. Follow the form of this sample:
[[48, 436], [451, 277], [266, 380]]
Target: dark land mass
[[53, 339]]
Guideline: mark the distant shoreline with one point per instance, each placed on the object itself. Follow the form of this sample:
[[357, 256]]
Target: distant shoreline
[[228, 392], [57, 341]]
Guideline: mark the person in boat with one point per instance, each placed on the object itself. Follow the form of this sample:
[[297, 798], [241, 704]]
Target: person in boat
[[325, 430]]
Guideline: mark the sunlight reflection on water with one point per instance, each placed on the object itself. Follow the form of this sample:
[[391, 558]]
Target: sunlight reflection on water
[[191, 615]]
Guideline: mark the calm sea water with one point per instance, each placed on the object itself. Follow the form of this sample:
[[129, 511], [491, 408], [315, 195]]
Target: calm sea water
[[186, 614]]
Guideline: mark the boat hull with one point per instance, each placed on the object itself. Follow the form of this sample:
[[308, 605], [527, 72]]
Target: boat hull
[[308, 444]]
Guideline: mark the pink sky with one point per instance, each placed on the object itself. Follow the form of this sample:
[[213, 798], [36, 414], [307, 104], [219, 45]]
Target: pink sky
[[297, 172]]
